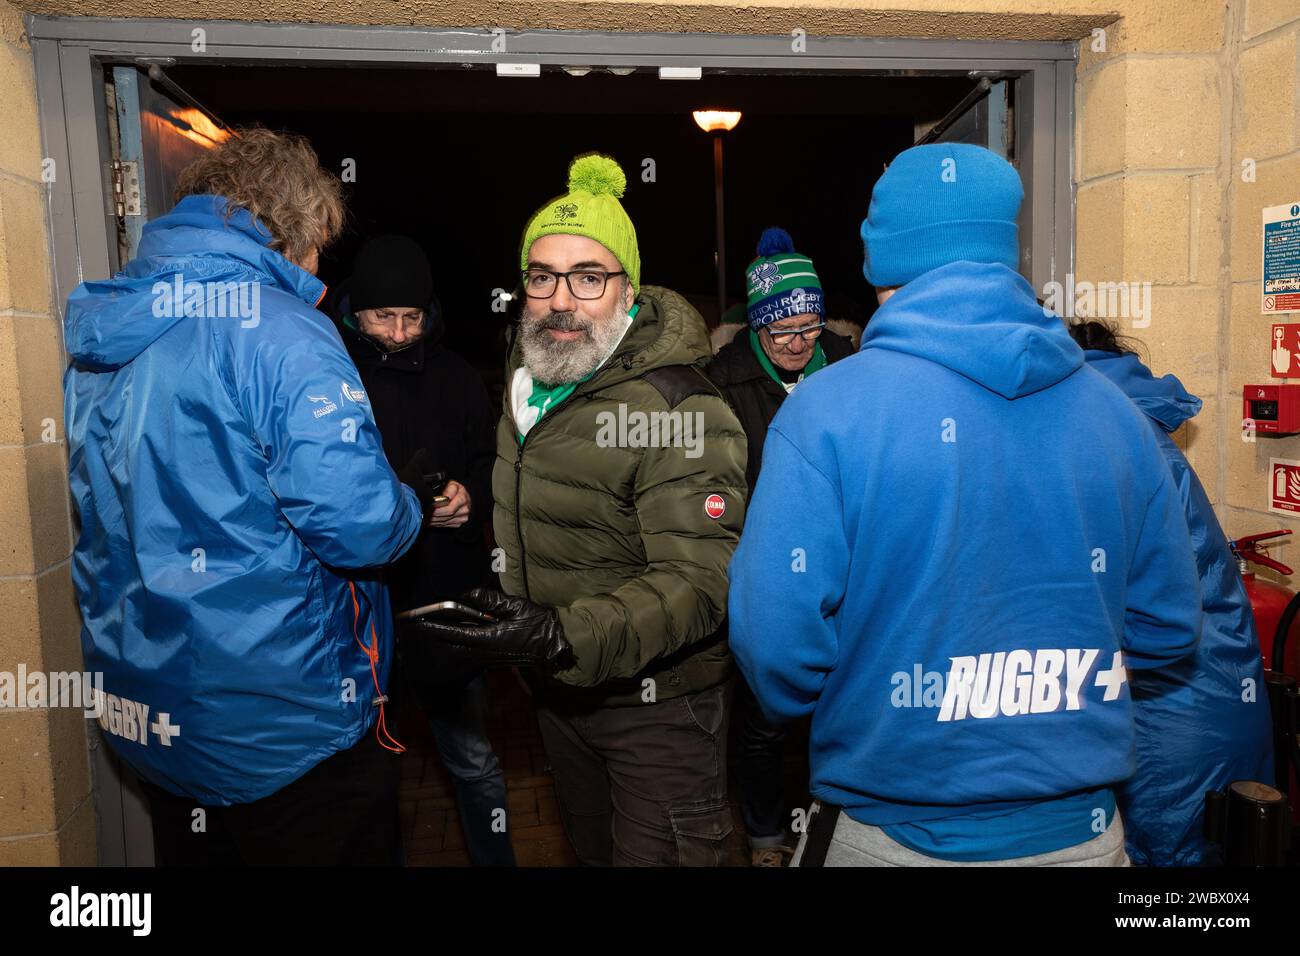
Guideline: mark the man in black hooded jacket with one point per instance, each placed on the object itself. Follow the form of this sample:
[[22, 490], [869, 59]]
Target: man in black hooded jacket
[[785, 343], [434, 416]]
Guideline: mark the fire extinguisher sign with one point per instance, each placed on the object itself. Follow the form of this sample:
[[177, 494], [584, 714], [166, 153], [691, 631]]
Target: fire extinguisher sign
[[1284, 486]]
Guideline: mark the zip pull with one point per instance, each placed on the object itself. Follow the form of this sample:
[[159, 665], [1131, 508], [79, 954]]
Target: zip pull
[[372, 653]]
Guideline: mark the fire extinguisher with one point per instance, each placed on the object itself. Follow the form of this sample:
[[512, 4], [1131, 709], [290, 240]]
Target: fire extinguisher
[[1269, 601], [1276, 610]]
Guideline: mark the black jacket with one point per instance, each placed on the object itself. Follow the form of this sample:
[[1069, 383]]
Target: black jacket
[[751, 392], [425, 396]]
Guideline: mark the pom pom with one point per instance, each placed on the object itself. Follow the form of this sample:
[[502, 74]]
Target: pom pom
[[598, 175], [773, 240]]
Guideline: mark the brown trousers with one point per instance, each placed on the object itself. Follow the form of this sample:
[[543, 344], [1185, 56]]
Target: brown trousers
[[644, 785]]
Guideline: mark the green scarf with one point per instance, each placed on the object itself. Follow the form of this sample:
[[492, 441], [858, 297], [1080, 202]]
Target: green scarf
[[815, 364], [546, 397]]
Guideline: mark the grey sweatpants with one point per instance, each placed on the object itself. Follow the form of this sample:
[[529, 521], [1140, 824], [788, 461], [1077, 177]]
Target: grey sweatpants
[[858, 844]]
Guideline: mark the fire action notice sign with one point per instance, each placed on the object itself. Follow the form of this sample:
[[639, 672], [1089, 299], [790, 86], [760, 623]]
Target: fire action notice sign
[[1281, 259], [1284, 486]]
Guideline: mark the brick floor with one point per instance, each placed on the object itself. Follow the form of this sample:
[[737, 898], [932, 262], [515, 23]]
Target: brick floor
[[430, 826]]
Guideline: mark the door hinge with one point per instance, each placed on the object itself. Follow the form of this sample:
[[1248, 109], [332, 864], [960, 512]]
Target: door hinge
[[126, 188]]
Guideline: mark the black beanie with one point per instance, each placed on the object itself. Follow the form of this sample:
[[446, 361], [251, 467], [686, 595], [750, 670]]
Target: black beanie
[[390, 272]]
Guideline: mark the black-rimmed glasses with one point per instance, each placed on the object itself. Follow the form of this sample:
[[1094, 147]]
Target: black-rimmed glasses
[[582, 283], [783, 337]]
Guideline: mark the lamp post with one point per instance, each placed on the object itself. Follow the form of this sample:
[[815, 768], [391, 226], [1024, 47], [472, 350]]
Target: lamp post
[[718, 122]]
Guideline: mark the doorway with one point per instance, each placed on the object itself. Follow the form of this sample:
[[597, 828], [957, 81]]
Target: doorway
[[455, 142], [459, 159]]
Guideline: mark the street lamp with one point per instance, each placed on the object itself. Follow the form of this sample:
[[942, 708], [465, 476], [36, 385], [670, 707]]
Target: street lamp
[[718, 122]]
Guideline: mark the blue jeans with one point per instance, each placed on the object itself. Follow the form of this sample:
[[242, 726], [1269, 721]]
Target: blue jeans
[[460, 731]]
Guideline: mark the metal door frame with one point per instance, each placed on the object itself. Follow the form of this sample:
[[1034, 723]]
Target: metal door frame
[[70, 54]]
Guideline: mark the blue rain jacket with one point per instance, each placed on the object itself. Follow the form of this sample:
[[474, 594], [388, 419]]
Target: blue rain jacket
[[1202, 722], [230, 484]]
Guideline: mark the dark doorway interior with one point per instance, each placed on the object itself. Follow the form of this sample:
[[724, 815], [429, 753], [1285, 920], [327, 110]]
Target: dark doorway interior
[[459, 158]]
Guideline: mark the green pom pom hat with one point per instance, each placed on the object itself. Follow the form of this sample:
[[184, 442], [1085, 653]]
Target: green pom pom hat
[[590, 208]]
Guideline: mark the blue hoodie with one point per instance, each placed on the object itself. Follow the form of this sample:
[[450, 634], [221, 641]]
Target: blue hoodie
[[231, 485], [1203, 722], [950, 577]]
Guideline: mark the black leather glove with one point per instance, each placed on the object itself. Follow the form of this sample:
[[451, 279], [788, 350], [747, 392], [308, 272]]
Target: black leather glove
[[522, 633], [412, 474]]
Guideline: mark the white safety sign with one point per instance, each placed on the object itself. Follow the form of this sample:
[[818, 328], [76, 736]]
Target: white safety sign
[[1281, 259]]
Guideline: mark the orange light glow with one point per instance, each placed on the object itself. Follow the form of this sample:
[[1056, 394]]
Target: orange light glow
[[716, 120], [194, 125]]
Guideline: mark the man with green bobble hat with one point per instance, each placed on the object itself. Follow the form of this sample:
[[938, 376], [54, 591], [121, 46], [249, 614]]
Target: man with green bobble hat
[[620, 494]]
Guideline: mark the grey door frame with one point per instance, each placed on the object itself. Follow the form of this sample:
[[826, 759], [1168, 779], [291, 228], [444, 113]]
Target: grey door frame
[[70, 54]]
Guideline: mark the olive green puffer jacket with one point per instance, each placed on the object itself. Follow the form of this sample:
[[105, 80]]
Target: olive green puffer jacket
[[610, 525]]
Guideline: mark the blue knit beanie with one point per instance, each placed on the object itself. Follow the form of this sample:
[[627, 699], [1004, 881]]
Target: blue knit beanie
[[941, 203]]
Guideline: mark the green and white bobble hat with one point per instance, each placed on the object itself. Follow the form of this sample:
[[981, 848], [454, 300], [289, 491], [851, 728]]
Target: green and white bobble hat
[[780, 283], [590, 208]]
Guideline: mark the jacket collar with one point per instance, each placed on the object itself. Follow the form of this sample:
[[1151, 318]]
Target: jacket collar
[[666, 331], [366, 352], [369, 354], [205, 226], [736, 364]]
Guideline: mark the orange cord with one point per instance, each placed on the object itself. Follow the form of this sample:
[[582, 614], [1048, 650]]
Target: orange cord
[[372, 654]]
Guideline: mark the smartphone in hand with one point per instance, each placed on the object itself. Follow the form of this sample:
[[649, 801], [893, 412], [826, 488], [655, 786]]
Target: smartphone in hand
[[437, 481], [451, 611]]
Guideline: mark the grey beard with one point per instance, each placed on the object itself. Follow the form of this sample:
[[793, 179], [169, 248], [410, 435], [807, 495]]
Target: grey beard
[[558, 363]]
